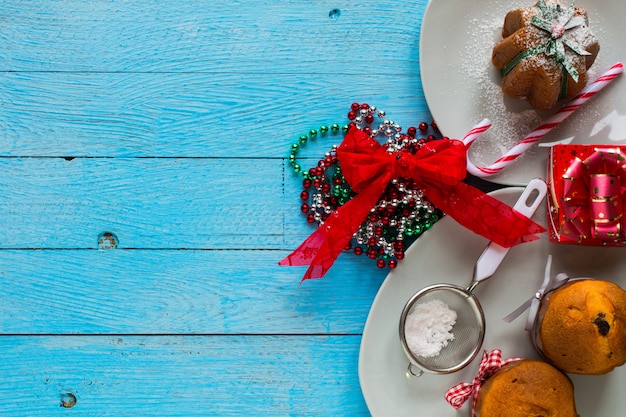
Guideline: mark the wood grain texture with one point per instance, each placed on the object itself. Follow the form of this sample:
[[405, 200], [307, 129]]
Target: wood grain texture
[[146, 203], [179, 292], [152, 203], [188, 114], [91, 79], [181, 376], [251, 38]]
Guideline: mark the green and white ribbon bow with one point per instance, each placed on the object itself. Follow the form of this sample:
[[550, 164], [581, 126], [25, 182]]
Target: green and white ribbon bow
[[556, 21]]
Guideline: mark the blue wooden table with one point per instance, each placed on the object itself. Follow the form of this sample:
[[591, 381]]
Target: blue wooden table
[[146, 198]]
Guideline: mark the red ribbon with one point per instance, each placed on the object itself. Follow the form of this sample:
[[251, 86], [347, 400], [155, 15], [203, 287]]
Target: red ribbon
[[594, 194], [438, 168], [489, 365]]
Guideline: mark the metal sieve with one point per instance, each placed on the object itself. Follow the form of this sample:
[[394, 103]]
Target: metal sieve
[[469, 328]]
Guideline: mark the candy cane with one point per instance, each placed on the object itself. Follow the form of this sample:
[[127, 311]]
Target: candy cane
[[534, 136]]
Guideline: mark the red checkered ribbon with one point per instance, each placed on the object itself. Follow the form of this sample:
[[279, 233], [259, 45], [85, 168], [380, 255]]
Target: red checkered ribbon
[[489, 364]]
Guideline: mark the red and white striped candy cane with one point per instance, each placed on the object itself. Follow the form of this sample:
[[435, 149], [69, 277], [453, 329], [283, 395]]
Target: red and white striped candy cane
[[529, 140]]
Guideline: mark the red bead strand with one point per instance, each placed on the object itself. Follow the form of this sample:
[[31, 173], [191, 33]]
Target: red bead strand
[[400, 215]]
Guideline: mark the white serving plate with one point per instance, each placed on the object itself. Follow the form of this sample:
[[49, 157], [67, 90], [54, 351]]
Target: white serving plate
[[447, 253]]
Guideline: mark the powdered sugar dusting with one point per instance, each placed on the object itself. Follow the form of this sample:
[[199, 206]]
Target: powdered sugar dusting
[[511, 118], [428, 328], [462, 87]]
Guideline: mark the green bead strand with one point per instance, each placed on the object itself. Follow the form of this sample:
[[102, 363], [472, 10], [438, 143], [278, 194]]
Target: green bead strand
[[303, 139]]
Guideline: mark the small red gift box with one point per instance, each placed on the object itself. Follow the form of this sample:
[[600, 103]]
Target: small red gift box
[[587, 186]]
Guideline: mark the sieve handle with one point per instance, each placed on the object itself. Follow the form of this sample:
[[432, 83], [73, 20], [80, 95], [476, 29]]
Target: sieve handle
[[527, 204]]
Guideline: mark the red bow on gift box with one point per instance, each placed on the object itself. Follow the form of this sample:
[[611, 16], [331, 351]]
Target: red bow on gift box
[[594, 190], [438, 168]]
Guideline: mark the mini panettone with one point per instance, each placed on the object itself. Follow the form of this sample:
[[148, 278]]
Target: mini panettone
[[545, 53], [581, 327], [526, 388]]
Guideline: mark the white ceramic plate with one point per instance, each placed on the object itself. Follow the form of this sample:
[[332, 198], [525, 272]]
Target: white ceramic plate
[[462, 87], [447, 253]]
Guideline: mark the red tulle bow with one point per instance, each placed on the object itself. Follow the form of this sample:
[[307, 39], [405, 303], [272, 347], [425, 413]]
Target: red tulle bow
[[438, 168]]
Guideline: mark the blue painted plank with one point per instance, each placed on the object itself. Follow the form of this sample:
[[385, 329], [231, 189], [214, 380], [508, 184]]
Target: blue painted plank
[[181, 376], [188, 114], [156, 203], [147, 203], [263, 36], [194, 317], [179, 292]]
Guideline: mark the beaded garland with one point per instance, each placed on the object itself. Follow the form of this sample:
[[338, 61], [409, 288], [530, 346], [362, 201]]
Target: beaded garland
[[402, 213]]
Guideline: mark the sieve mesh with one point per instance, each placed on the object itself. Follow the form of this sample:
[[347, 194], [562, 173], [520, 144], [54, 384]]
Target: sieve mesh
[[468, 330]]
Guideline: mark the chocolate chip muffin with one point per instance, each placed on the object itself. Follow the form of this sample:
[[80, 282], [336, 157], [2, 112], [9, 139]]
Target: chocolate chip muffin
[[581, 327]]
